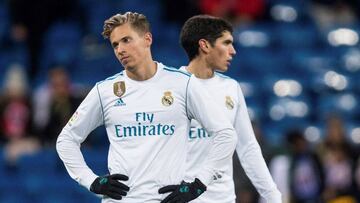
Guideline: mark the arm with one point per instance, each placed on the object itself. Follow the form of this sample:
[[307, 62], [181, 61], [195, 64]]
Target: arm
[[87, 117], [202, 108], [250, 155]]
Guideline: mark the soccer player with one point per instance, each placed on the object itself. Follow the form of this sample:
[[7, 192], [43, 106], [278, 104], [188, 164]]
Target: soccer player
[[208, 43], [146, 110]]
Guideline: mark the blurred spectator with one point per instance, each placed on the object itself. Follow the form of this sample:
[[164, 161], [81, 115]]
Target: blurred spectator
[[299, 174], [280, 168], [357, 179], [306, 172], [236, 11], [15, 116], [328, 13], [338, 159], [339, 174], [335, 137], [31, 19], [54, 103]]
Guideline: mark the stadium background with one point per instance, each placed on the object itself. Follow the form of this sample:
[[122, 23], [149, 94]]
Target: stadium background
[[298, 62]]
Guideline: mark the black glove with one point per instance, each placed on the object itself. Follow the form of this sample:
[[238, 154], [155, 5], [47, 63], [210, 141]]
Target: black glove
[[110, 186], [184, 192]]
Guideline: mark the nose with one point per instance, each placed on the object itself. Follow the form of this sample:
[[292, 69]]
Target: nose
[[119, 50], [232, 51]]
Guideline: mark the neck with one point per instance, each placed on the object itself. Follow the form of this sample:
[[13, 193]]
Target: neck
[[200, 68], [144, 71]]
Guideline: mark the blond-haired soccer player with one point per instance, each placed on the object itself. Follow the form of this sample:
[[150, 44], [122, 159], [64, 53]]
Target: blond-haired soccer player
[[146, 110], [208, 43]]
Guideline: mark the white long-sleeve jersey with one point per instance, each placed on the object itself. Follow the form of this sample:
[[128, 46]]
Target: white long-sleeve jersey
[[228, 96], [147, 124]]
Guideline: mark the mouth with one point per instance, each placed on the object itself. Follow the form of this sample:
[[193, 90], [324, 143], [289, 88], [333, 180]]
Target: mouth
[[228, 62], [124, 60]]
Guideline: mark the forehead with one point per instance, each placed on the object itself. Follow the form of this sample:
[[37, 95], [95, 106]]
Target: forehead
[[226, 35], [121, 31]]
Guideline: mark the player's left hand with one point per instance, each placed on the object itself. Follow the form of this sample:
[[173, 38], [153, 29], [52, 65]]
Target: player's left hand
[[184, 192]]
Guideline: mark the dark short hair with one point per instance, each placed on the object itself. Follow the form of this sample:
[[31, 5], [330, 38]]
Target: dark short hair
[[201, 27]]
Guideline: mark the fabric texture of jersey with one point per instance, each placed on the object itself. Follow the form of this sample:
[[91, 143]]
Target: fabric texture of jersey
[[228, 96], [147, 124]]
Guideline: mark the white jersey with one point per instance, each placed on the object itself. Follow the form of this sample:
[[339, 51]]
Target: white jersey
[[147, 123], [228, 96]]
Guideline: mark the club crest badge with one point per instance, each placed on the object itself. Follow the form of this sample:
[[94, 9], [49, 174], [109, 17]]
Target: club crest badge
[[73, 118], [229, 102], [119, 88], [167, 99]]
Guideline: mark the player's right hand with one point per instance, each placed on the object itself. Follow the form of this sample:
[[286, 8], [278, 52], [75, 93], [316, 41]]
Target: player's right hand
[[110, 186]]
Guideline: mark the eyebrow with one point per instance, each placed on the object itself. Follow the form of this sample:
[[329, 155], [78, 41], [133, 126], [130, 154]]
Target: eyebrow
[[228, 41], [116, 42]]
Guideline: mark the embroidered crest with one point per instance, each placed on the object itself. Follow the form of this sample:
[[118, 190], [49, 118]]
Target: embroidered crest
[[167, 99], [229, 102], [119, 88], [73, 118]]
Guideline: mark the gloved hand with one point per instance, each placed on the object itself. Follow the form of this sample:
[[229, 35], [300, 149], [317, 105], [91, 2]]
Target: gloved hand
[[110, 186], [184, 192]]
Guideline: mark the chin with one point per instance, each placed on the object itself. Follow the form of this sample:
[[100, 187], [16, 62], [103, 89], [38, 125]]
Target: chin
[[222, 69]]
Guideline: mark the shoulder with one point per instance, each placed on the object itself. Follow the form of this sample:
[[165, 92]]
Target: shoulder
[[107, 84], [110, 79], [227, 79], [175, 71]]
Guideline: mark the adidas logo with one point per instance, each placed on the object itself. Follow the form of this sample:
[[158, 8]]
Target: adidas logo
[[119, 102]]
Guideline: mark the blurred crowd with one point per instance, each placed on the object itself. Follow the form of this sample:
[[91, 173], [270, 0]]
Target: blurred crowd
[[32, 113]]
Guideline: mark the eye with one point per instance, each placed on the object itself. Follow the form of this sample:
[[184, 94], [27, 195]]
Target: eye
[[228, 42], [115, 45], [126, 40]]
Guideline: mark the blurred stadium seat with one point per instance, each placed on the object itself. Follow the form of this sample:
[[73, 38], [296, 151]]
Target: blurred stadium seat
[[97, 160], [61, 45], [344, 104], [4, 16], [96, 12], [296, 36], [43, 171], [289, 10]]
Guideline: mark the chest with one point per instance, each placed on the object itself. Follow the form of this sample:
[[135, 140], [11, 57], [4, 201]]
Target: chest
[[144, 104]]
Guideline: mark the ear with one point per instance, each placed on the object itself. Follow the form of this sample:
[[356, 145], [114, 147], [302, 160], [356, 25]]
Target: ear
[[204, 46], [148, 38]]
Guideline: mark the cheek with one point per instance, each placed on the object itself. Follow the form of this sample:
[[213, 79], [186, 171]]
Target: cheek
[[137, 49], [212, 59], [223, 53], [138, 53], [220, 56]]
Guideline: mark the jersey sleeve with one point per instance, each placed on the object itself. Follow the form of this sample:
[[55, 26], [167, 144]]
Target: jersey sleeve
[[249, 153], [87, 117], [202, 108]]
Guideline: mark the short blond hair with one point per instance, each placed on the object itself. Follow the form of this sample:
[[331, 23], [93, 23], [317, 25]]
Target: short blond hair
[[137, 21]]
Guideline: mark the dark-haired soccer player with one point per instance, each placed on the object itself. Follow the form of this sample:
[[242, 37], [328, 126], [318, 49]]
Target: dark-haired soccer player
[[208, 43]]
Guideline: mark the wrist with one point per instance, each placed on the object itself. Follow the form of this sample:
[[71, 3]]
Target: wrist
[[200, 185], [94, 185]]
